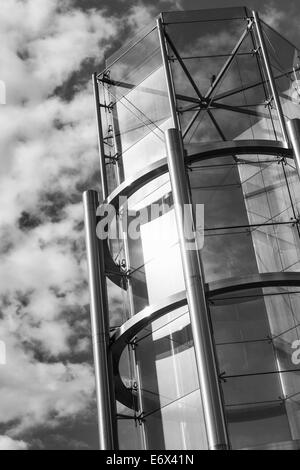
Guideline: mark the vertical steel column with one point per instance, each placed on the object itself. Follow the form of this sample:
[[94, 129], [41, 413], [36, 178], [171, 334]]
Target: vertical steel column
[[270, 75], [104, 186], [200, 324], [107, 422], [293, 127], [168, 73]]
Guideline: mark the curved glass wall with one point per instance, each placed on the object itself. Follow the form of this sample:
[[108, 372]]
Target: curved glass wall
[[137, 110], [251, 228], [254, 333]]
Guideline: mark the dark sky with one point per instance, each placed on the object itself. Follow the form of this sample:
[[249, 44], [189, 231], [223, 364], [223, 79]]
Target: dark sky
[[288, 24]]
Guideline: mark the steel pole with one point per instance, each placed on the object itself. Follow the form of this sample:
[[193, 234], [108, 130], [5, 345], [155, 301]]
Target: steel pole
[[194, 283], [168, 73], [106, 403], [104, 185], [270, 75], [293, 127]]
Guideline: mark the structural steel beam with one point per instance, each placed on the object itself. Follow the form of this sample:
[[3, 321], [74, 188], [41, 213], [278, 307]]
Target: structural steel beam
[[104, 186], [106, 404], [197, 91], [228, 62], [168, 74], [194, 282]]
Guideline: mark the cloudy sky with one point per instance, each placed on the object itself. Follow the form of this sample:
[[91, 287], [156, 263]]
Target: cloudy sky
[[48, 152]]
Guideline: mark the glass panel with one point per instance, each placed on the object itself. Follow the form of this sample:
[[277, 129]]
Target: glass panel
[[223, 251], [151, 248], [251, 390], [239, 318], [216, 184], [143, 114], [255, 334], [137, 109], [169, 381], [178, 426], [269, 200], [169, 354], [251, 206], [139, 36], [135, 65], [256, 425], [129, 432], [292, 179], [246, 357], [129, 374], [285, 61], [242, 83], [118, 304], [198, 128], [159, 262], [247, 122]]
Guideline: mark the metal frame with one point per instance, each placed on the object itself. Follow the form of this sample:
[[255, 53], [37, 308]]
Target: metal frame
[[197, 291], [206, 102], [168, 72], [104, 186]]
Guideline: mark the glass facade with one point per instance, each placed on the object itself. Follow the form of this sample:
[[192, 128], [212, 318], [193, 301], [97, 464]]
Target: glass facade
[[218, 81]]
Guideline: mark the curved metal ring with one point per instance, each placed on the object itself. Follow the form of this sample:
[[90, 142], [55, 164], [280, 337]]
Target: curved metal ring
[[194, 154], [253, 281], [123, 335]]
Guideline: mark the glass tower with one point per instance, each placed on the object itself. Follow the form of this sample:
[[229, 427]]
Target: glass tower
[[196, 331]]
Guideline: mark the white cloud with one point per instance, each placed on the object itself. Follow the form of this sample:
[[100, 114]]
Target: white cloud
[[41, 394], [6, 443], [55, 40], [48, 149]]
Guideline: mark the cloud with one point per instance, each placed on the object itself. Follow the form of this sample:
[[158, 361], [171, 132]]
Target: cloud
[[48, 154], [35, 393], [273, 16], [6, 443], [53, 43]]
